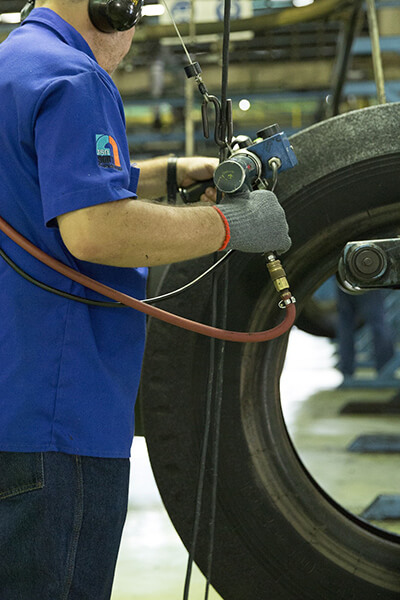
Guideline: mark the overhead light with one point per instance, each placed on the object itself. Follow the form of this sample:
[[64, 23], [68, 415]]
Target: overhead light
[[244, 104], [300, 3], [153, 10], [10, 18]]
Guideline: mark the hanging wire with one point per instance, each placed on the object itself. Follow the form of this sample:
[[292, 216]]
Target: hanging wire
[[203, 458], [376, 51], [224, 82], [216, 362], [226, 134], [177, 32], [217, 431]]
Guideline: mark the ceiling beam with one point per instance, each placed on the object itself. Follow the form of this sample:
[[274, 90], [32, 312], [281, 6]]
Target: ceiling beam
[[283, 18]]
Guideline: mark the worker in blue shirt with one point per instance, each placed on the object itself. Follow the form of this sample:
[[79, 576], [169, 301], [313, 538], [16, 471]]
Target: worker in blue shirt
[[70, 370]]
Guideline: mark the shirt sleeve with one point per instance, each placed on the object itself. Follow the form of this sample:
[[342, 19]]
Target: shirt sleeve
[[135, 172], [81, 145]]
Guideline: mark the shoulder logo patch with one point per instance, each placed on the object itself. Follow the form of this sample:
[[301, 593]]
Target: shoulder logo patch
[[107, 152]]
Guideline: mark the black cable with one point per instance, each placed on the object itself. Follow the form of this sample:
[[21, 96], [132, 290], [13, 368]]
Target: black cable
[[219, 359], [217, 430], [345, 56], [225, 132], [49, 288], [102, 303], [204, 449], [225, 71]]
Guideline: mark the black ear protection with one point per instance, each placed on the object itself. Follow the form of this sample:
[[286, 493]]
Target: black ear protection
[[115, 15], [106, 15]]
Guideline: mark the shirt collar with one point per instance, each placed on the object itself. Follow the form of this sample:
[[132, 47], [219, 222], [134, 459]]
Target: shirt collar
[[64, 30]]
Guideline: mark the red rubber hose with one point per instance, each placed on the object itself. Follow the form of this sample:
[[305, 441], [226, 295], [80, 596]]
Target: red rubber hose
[[153, 311]]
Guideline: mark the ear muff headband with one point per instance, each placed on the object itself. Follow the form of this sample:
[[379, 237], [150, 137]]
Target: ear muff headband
[[115, 15], [106, 15]]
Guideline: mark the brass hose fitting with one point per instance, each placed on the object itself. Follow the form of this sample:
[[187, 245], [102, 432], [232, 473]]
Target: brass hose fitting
[[279, 279]]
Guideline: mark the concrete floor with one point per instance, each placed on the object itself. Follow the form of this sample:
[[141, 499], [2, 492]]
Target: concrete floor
[[152, 559], [311, 400]]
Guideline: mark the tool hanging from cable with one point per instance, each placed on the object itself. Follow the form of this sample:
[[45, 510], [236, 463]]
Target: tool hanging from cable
[[244, 165], [223, 133]]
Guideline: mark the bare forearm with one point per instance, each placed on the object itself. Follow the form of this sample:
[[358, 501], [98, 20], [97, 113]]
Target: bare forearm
[[153, 178], [131, 233]]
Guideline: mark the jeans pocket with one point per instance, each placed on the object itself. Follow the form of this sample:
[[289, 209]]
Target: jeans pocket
[[20, 472]]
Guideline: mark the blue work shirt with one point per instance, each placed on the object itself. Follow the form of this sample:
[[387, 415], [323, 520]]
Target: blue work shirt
[[69, 372]]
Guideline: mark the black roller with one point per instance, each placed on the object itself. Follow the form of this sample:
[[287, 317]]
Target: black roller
[[278, 535]]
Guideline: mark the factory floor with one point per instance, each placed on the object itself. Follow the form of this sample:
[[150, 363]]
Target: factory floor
[[152, 560]]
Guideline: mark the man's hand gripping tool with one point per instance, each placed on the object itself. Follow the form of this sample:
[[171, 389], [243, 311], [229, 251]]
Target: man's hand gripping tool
[[249, 166]]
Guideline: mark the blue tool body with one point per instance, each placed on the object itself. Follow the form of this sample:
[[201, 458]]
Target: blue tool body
[[277, 146]]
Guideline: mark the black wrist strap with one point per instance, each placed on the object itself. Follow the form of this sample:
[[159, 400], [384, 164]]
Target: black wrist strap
[[172, 186]]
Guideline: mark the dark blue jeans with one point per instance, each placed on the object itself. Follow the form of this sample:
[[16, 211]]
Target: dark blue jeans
[[61, 520], [370, 307]]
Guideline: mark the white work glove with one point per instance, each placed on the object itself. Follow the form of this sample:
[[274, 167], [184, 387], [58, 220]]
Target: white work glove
[[257, 222]]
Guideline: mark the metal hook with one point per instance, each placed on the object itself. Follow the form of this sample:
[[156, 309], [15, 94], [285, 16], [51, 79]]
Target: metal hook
[[219, 137], [204, 113]]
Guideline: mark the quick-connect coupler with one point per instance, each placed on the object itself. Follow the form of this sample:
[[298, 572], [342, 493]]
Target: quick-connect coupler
[[279, 279]]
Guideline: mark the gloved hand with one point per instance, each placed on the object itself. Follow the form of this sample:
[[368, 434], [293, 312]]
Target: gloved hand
[[256, 221]]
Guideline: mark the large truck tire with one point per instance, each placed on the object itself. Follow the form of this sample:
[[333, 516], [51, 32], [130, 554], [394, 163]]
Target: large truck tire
[[278, 535]]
